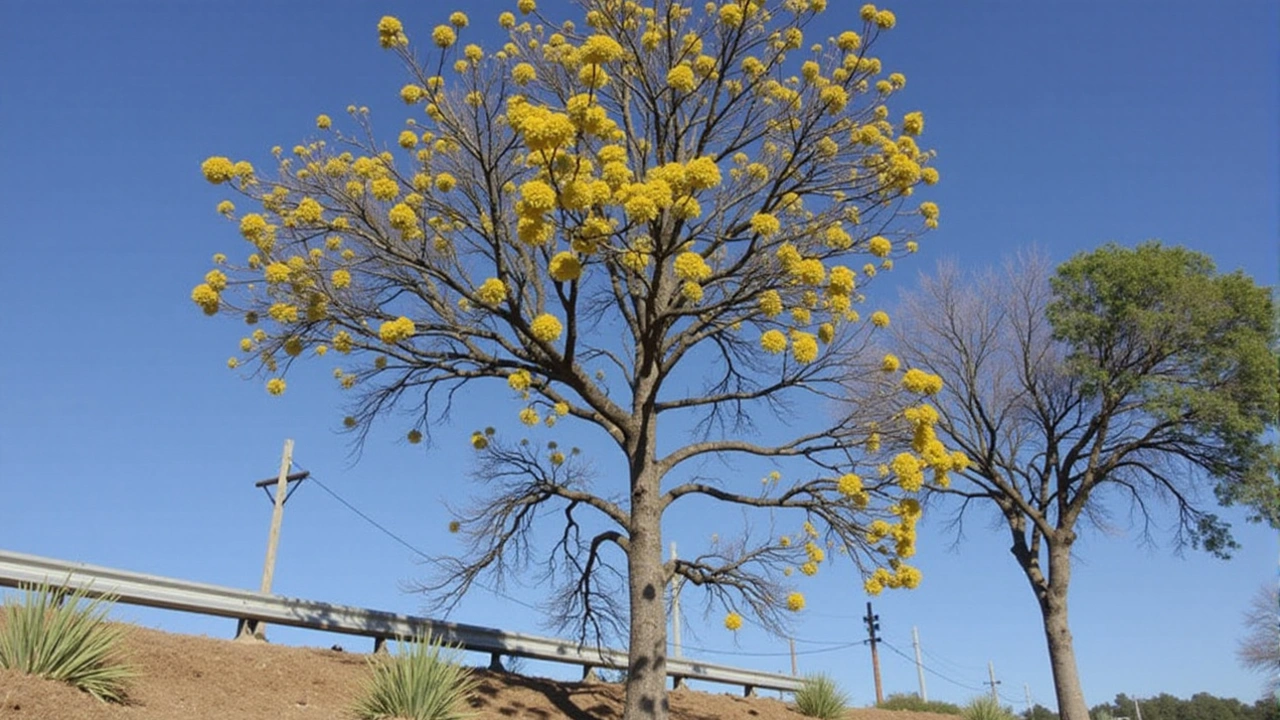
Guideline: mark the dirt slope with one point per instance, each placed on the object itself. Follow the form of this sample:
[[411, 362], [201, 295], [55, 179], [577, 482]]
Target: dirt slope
[[194, 678]]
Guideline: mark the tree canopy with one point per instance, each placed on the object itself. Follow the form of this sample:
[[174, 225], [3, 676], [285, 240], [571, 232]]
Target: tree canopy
[[582, 213], [1131, 375]]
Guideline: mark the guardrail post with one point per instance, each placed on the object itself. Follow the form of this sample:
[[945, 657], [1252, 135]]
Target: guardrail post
[[589, 675], [495, 662], [677, 682], [749, 691], [380, 645]]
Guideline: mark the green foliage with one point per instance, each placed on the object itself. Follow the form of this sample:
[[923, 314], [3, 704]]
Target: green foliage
[[423, 681], [64, 637], [820, 697], [1158, 326], [912, 702], [1201, 706], [985, 707], [1039, 712]]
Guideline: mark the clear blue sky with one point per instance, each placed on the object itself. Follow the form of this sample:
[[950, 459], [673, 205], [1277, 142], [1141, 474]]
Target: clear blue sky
[[125, 441]]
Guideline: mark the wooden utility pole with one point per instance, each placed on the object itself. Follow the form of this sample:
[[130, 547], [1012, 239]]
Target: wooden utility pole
[[252, 628], [915, 640], [675, 605], [991, 671], [873, 626]]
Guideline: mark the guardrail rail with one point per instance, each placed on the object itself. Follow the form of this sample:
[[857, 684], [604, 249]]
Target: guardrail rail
[[245, 605]]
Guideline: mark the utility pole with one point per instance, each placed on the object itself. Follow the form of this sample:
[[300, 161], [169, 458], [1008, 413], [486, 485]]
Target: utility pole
[[795, 671], [252, 628], [675, 604], [1027, 689], [1137, 709], [915, 640], [873, 626], [677, 682], [991, 671]]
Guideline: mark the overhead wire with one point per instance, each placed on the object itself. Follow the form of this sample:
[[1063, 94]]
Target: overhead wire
[[384, 530], [930, 670], [832, 645]]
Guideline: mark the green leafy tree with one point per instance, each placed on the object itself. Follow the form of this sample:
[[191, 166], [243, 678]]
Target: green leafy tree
[[659, 218], [1138, 375]]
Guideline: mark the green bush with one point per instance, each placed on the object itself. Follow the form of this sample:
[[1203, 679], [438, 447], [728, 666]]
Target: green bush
[[421, 682], [912, 702], [64, 637], [985, 707], [820, 697]]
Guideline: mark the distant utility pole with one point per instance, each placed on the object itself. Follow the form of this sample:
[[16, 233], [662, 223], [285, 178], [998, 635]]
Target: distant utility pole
[[1137, 709], [675, 604], [795, 671], [915, 640], [873, 626], [677, 681], [1027, 689], [991, 671], [252, 628]]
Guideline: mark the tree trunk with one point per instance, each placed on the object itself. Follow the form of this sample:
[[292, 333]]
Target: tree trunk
[[647, 674], [1062, 653]]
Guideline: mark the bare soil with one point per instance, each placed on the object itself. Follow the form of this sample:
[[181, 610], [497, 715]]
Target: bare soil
[[193, 678]]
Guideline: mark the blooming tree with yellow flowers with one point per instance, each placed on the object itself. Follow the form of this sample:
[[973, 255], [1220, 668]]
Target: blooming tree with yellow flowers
[[583, 213]]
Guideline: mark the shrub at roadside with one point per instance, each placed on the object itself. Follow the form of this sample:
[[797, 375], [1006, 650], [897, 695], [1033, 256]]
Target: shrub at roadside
[[422, 681], [986, 708], [908, 701], [68, 641], [820, 697]]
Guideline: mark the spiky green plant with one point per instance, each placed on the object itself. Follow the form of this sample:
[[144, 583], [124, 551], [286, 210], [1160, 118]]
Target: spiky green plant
[[985, 707], [64, 637], [422, 681], [820, 697]]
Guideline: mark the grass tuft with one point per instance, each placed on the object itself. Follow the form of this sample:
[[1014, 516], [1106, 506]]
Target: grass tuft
[[65, 637], [422, 681], [820, 697], [984, 707]]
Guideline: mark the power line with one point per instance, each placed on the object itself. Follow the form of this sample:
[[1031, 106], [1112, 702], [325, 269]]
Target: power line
[[951, 665], [930, 670], [834, 645], [747, 653], [406, 543]]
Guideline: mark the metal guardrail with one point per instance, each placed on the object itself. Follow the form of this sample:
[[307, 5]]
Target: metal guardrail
[[174, 594]]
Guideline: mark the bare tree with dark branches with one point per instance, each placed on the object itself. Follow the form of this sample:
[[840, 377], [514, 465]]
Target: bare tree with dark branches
[[1260, 648], [1128, 376], [596, 214]]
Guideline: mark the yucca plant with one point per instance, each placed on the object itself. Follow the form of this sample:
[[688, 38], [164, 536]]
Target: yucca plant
[[423, 681], [985, 707], [820, 697], [64, 637]]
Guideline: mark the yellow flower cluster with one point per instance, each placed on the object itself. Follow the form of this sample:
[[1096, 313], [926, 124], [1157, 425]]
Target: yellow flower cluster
[[394, 331], [565, 267], [733, 621], [491, 291], [546, 327], [520, 380], [391, 33], [901, 576], [773, 341], [795, 602], [692, 266], [920, 382]]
